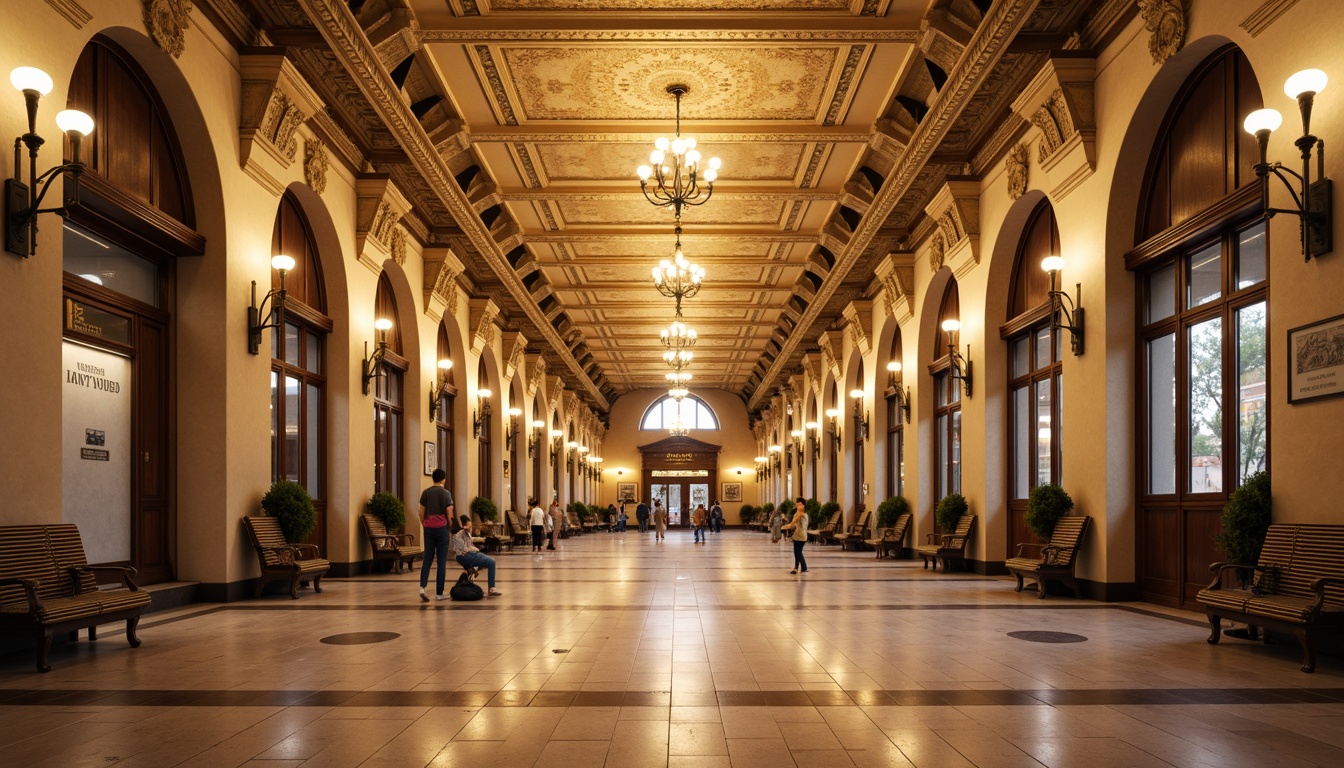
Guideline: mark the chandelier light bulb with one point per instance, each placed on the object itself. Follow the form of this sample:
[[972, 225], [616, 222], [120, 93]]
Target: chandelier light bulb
[[692, 157], [656, 157], [678, 147], [661, 143], [711, 174], [644, 172]]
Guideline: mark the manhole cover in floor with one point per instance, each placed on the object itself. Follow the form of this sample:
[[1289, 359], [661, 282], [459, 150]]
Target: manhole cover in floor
[[360, 638], [1033, 636]]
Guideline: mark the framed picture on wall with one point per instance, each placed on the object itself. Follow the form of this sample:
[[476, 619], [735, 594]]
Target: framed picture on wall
[[732, 491], [431, 458], [626, 492], [1316, 360]]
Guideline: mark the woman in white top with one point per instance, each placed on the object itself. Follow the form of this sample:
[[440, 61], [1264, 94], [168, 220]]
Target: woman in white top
[[537, 518]]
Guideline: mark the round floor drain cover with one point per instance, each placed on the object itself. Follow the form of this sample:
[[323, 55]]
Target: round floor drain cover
[[360, 638], [1033, 636]]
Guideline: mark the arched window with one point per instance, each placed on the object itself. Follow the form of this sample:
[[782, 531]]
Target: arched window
[[833, 415], [1201, 275], [444, 414], [856, 407], [1035, 375], [298, 362], [946, 399], [484, 467], [895, 420], [693, 411], [387, 399]]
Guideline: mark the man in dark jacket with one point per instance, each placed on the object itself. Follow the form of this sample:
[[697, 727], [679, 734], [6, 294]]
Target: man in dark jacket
[[642, 515]]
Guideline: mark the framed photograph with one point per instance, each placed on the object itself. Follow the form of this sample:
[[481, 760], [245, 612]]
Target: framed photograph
[[732, 492], [1316, 360], [626, 492], [431, 458]]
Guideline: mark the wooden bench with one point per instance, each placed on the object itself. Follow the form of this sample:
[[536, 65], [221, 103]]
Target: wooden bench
[[948, 546], [826, 531], [48, 587], [1055, 561], [854, 537], [388, 547], [891, 540], [282, 561], [1298, 587]]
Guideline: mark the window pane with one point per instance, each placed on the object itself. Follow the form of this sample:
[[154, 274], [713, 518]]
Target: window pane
[[1059, 426], [1204, 278], [394, 453], [394, 387], [1021, 442], [1044, 415], [313, 356], [1021, 356], [313, 440], [1162, 294], [1206, 407], [275, 426], [293, 387], [103, 263], [1251, 256], [1044, 353], [1252, 413], [940, 387], [379, 443], [291, 344], [956, 452], [1162, 414], [942, 456]]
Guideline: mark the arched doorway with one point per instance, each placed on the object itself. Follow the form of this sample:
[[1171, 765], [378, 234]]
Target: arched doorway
[[679, 472]]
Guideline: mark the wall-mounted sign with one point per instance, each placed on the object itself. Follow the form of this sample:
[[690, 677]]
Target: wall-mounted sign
[[681, 473], [678, 458], [92, 321], [94, 454], [96, 425]]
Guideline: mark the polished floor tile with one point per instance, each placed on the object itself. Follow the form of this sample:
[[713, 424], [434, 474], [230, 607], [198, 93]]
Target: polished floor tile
[[619, 651]]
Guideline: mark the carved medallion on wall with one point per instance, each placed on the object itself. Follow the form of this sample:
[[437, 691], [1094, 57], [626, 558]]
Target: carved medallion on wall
[[937, 250], [1165, 20], [166, 22], [315, 165], [1017, 164]]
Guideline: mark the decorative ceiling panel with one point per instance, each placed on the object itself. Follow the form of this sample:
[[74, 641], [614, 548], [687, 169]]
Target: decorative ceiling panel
[[661, 5], [748, 161], [638, 211], [620, 82], [644, 247]]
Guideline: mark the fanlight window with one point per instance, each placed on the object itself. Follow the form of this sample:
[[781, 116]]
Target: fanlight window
[[694, 413]]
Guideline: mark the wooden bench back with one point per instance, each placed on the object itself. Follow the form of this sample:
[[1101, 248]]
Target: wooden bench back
[[42, 553], [962, 533], [1067, 536], [867, 518], [373, 526], [265, 532], [1304, 553], [901, 526]]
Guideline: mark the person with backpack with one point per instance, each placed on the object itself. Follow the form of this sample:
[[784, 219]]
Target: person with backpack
[[436, 509], [468, 556], [716, 517]]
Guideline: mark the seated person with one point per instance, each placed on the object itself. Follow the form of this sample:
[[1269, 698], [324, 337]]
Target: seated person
[[468, 556], [621, 520]]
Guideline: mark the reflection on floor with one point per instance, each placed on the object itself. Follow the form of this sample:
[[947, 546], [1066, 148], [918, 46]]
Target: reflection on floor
[[620, 651]]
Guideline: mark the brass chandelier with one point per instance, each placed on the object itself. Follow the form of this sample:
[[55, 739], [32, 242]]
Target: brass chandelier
[[675, 169]]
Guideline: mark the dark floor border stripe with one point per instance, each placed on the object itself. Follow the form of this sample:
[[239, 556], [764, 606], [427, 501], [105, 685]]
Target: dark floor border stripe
[[478, 699]]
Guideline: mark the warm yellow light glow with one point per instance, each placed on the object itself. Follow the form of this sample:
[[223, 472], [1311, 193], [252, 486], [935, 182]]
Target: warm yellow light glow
[[1052, 263], [1262, 120], [951, 326], [382, 324], [31, 79], [282, 262], [483, 393], [445, 364]]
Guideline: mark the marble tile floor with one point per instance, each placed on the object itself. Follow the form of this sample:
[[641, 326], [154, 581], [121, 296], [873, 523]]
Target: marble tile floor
[[619, 651]]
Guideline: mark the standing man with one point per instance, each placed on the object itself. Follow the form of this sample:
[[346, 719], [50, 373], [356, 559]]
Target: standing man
[[715, 516], [642, 515], [698, 522], [537, 519], [436, 508]]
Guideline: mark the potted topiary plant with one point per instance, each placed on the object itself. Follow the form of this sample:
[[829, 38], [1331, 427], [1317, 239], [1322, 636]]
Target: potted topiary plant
[[291, 506], [484, 509], [889, 510], [818, 513], [748, 514], [949, 511], [1046, 504], [1246, 521], [389, 509]]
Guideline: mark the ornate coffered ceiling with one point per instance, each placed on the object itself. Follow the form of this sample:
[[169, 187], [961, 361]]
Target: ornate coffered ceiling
[[513, 128]]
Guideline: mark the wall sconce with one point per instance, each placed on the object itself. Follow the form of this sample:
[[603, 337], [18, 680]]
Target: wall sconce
[[814, 437], [437, 391], [833, 426], [961, 367], [572, 448], [860, 415], [760, 467], [479, 416], [596, 463], [511, 435], [281, 264], [1073, 314], [902, 393], [1313, 199], [556, 444], [22, 201], [776, 451], [797, 436], [534, 437], [373, 364]]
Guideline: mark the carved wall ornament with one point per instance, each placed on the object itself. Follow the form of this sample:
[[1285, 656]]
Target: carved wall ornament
[[1166, 21], [937, 251], [397, 245], [166, 22], [315, 164], [1017, 164], [538, 376]]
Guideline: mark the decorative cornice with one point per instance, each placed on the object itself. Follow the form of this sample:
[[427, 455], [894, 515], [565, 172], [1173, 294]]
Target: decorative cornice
[[956, 209], [72, 12], [859, 315], [897, 272], [442, 268], [468, 35], [1261, 18], [546, 135], [840, 98], [276, 100], [1060, 102], [379, 206], [515, 343], [483, 313], [537, 364]]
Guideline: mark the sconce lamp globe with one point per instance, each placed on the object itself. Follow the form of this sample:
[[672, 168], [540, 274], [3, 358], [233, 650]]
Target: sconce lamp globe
[[951, 326], [282, 262], [894, 366], [515, 412], [832, 412], [31, 79], [857, 394], [445, 364], [484, 393], [382, 324], [73, 120], [1052, 263], [1262, 120], [1308, 81]]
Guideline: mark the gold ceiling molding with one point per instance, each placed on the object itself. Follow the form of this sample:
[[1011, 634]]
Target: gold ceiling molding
[[522, 155], [441, 270], [589, 159], [582, 239], [728, 212], [944, 33], [565, 195], [1261, 18], [379, 206], [542, 136], [575, 82], [661, 5], [489, 71], [643, 34], [1000, 25], [482, 313], [840, 96], [276, 100]]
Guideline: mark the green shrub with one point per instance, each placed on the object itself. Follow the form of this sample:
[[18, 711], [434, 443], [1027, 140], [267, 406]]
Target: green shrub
[[767, 508], [818, 513], [579, 510], [291, 506], [484, 509], [949, 511], [1246, 520], [389, 509], [748, 514], [889, 510], [1045, 506], [600, 513]]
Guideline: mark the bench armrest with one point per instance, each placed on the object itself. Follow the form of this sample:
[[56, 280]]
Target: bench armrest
[[406, 538], [383, 540], [307, 551], [1039, 548], [1217, 570], [125, 571], [1050, 554], [29, 591], [1318, 586]]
